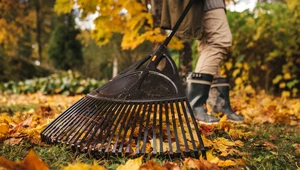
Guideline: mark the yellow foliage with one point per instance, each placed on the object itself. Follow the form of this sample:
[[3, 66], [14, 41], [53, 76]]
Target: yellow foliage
[[132, 164], [31, 162], [83, 166], [63, 6]]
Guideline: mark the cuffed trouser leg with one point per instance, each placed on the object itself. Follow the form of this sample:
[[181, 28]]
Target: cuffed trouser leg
[[217, 40]]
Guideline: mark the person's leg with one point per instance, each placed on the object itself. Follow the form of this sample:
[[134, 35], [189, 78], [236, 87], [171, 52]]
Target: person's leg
[[217, 39]]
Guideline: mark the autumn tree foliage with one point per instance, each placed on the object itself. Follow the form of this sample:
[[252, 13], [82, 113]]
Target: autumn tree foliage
[[265, 51]]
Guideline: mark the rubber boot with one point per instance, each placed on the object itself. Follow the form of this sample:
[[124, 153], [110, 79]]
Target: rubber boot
[[197, 90], [219, 99]]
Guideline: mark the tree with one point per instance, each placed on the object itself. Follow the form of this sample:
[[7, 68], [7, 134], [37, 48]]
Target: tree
[[130, 18], [65, 49]]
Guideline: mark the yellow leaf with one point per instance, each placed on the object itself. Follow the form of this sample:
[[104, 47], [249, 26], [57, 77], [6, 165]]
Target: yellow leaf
[[83, 166], [4, 128], [63, 6], [132, 164], [287, 76], [211, 158], [228, 65], [285, 94], [282, 85], [31, 162], [226, 163]]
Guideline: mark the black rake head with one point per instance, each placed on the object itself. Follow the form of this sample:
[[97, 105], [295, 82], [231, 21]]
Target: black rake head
[[143, 110]]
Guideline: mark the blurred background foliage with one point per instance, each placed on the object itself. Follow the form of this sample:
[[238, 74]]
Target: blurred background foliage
[[41, 40]]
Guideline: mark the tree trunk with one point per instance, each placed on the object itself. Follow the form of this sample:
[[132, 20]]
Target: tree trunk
[[38, 29], [115, 67]]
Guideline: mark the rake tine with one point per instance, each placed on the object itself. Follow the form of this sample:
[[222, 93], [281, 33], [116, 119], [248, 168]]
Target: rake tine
[[58, 118], [182, 128], [127, 126], [168, 127], [160, 129], [106, 107], [105, 127], [113, 122], [121, 127], [120, 118], [154, 129], [53, 126], [76, 122], [146, 128], [82, 123], [140, 129], [203, 150], [175, 128], [99, 119], [189, 127], [68, 115], [136, 110]]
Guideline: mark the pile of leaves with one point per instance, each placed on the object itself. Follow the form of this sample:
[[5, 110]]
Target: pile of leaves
[[67, 83], [23, 117]]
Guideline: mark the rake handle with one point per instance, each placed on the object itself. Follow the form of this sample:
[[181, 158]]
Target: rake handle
[[158, 54], [177, 24]]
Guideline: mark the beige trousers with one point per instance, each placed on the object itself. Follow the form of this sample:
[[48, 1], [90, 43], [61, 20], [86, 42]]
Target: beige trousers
[[216, 42]]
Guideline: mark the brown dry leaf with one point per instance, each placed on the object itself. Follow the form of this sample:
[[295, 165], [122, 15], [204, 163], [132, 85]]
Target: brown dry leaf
[[297, 147], [82, 166], [132, 164], [265, 144], [171, 166], [151, 165], [31, 162], [207, 129], [190, 163], [13, 141]]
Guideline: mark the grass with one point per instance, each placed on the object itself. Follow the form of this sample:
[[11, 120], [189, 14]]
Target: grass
[[271, 149]]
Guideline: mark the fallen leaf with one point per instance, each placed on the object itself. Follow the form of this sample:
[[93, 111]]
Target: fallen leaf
[[83, 166], [190, 163], [132, 164], [30, 162], [171, 166], [151, 165], [207, 129], [226, 163], [13, 141], [4, 128], [297, 147], [265, 144]]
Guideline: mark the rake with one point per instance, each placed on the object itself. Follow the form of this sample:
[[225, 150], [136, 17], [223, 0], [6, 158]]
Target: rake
[[143, 110]]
